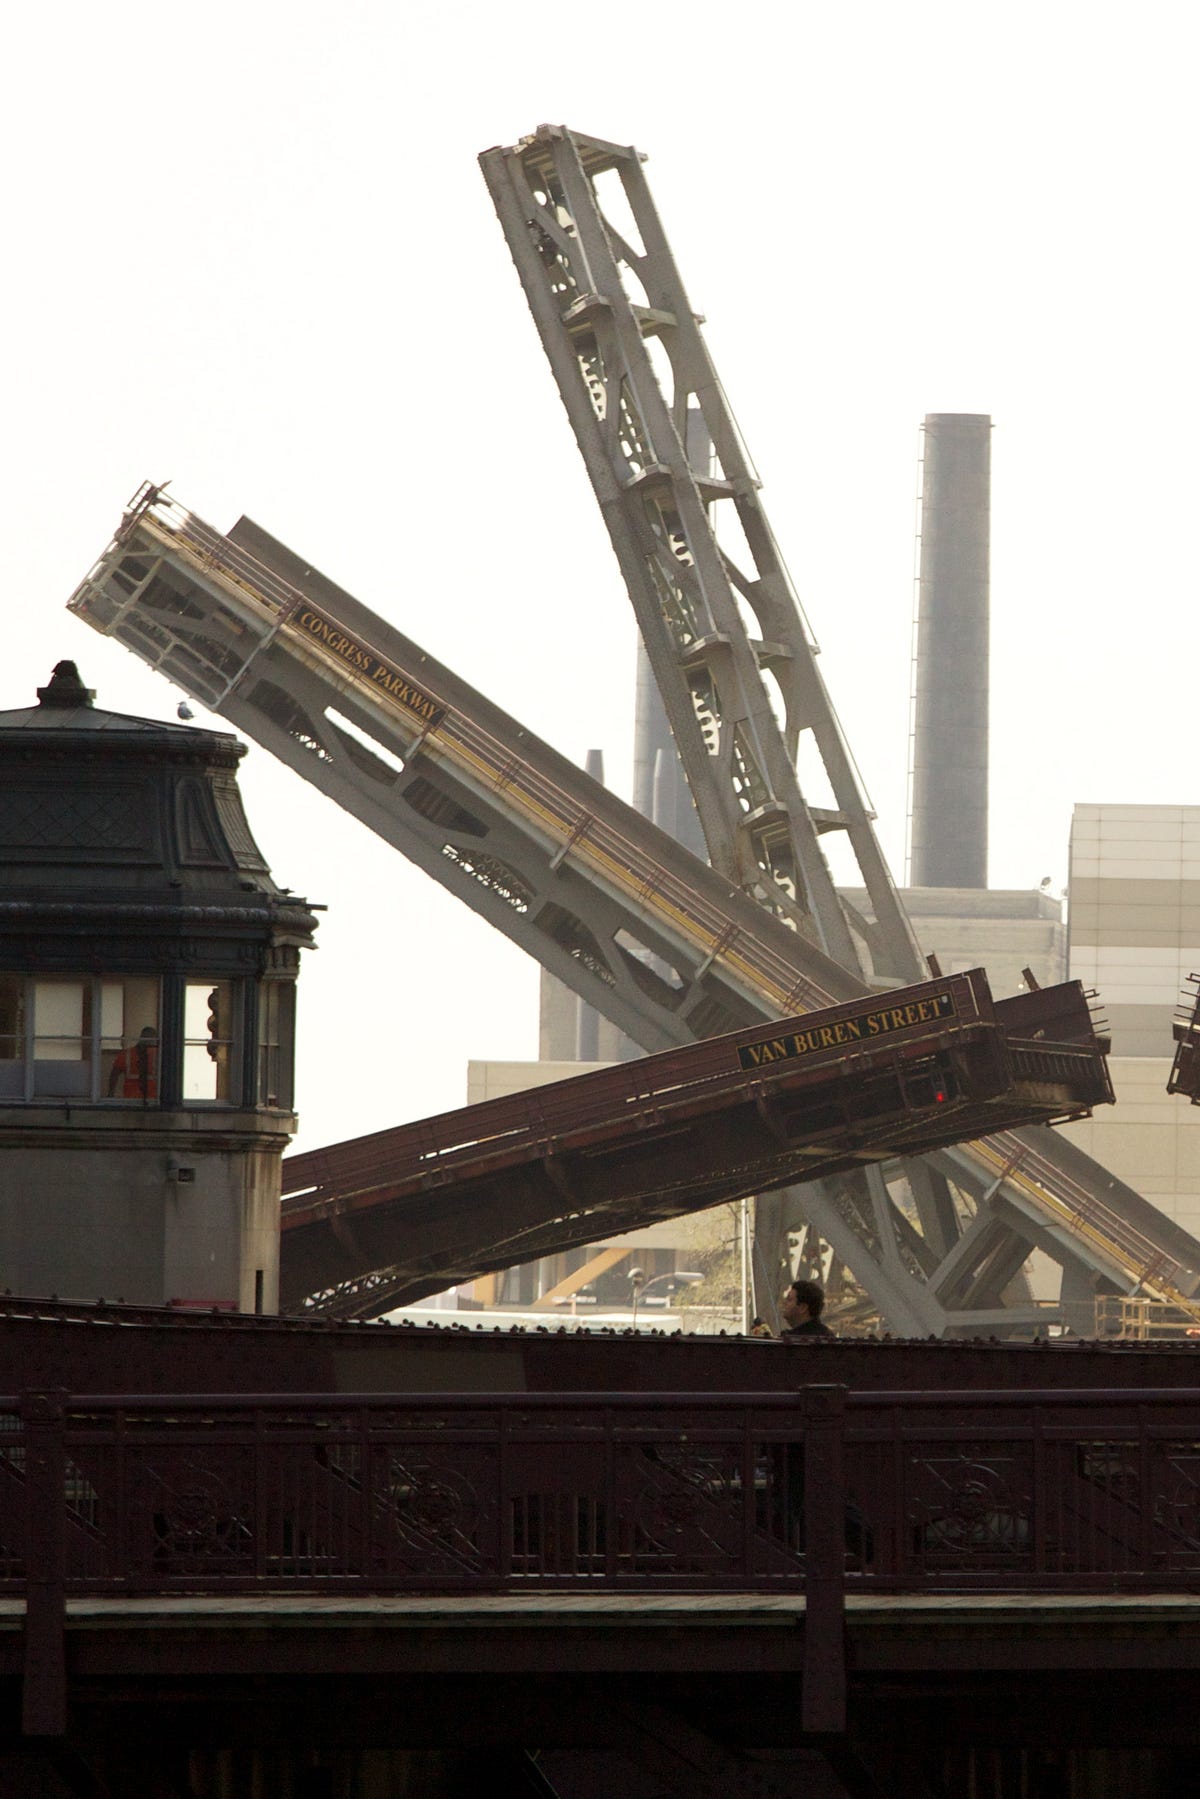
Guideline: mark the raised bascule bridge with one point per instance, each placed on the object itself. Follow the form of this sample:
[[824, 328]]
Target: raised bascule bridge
[[384, 1220], [299, 1554], [671, 949], [659, 941]]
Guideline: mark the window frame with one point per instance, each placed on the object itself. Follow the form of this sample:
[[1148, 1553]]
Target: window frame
[[232, 1040], [257, 1039], [98, 1058]]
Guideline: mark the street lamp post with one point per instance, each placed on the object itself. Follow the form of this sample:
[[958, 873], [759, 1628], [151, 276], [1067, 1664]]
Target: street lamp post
[[638, 1284]]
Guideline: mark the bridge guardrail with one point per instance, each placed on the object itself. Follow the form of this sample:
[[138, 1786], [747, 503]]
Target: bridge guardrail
[[819, 1493]]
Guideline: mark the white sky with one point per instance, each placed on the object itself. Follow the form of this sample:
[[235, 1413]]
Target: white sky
[[248, 248]]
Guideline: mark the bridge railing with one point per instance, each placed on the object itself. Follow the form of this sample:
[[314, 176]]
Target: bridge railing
[[904, 1491], [818, 1493]]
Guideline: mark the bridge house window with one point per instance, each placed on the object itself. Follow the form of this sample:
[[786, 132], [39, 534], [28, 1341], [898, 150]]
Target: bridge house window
[[130, 1050], [209, 1040], [101, 1038], [62, 1039], [12, 1036], [73, 1037]]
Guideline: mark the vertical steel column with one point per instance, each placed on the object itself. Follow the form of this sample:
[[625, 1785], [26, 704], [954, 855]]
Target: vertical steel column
[[823, 1694], [950, 729], [44, 1689]]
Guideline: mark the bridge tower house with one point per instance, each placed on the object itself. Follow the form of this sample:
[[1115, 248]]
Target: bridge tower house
[[147, 1001]]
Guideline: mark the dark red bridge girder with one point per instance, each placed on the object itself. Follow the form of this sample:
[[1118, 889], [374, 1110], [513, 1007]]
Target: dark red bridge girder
[[385, 1219], [291, 1501], [107, 1348]]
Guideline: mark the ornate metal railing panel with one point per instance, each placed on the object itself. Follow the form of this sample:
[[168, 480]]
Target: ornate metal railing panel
[[816, 1494], [979, 1490], [1066, 1491]]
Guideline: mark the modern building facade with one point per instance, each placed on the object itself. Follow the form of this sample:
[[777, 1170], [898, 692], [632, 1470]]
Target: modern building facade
[[1134, 928], [1003, 930]]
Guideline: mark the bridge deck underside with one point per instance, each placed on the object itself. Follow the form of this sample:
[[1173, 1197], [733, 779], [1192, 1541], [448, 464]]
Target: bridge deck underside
[[958, 1697], [385, 1220]]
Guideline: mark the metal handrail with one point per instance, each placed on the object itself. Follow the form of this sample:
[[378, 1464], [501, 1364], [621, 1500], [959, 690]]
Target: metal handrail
[[615, 857]]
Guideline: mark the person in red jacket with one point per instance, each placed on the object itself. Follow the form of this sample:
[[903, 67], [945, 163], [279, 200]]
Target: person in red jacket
[[134, 1073]]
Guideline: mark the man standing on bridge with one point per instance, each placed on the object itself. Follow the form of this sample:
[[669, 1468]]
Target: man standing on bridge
[[801, 1308]]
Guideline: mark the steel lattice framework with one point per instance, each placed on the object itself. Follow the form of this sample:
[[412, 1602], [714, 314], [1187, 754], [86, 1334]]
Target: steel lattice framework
[[664, 945], [667, 948], [697, 554], [694, 544]]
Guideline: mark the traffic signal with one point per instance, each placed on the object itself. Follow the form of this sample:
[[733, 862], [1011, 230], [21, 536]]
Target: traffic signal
[[214, 1023]]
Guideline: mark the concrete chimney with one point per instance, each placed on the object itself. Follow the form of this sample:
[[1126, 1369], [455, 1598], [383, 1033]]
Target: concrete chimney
[[950, 733]]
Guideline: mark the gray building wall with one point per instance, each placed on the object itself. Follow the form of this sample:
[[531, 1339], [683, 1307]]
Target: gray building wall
[[1135, 915], [1134, 927], [92, 1206], [569, 1030], [1001, 930]]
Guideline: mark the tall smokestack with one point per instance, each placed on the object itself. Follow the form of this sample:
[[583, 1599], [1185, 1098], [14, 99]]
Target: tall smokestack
[[660, 789], [569, 1030], [950, 729]]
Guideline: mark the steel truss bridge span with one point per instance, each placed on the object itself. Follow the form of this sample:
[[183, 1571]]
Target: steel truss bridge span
[[669, 949], [660, 943], [384, 1220], [767, 762]]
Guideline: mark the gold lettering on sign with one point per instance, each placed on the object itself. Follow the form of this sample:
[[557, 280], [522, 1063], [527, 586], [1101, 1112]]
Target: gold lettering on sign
[[397, 686], [842, 1031]]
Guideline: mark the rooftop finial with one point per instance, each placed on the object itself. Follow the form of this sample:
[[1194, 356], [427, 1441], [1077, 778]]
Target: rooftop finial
[[65, 688]]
